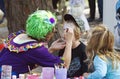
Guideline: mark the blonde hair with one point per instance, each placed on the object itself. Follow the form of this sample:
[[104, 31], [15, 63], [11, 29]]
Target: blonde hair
[[101, 43], [77, 33]]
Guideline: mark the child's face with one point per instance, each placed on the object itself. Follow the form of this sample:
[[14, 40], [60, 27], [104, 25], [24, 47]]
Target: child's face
[[68, 25]]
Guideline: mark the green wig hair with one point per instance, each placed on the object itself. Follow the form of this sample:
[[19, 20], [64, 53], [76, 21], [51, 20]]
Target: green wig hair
[[40, 23]]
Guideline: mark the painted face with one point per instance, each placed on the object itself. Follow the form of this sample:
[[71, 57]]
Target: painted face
[[67, 25]]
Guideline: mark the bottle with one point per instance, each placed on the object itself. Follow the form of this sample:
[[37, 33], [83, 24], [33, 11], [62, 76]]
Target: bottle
[[6, 72], [14, 77], [76, 77], [21, 76], [81, 77]]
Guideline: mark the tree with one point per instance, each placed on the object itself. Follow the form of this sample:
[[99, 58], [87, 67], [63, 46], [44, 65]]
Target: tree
[[17, 11]]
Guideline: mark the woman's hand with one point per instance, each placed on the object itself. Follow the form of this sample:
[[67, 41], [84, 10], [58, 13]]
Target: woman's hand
[[56, 45]]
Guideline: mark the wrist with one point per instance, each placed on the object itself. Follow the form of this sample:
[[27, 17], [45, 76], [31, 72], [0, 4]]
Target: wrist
[[69, 43], [50, 50]]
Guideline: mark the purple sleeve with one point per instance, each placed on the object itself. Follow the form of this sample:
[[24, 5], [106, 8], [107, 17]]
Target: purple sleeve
[[42, 57]]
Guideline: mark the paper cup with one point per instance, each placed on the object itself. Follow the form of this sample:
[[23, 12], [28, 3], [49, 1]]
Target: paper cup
[[47, 73]]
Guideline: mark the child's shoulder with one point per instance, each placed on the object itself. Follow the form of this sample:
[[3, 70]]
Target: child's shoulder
[[98, 59], [81, 47]]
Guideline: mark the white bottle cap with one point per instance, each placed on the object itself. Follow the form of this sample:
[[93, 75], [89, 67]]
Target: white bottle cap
[[21, 76], [14, 77]]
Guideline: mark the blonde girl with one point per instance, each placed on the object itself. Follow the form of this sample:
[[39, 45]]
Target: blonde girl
[[100, 50]]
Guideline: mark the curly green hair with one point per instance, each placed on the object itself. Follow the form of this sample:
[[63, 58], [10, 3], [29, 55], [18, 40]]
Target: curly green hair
[[40, 23]]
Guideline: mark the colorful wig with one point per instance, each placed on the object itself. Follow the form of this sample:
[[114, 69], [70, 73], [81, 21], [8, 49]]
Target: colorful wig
[[40, 23]]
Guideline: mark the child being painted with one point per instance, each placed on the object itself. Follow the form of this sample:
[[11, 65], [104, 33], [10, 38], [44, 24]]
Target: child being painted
[[100, 50], [23, 49], [77, 66]]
